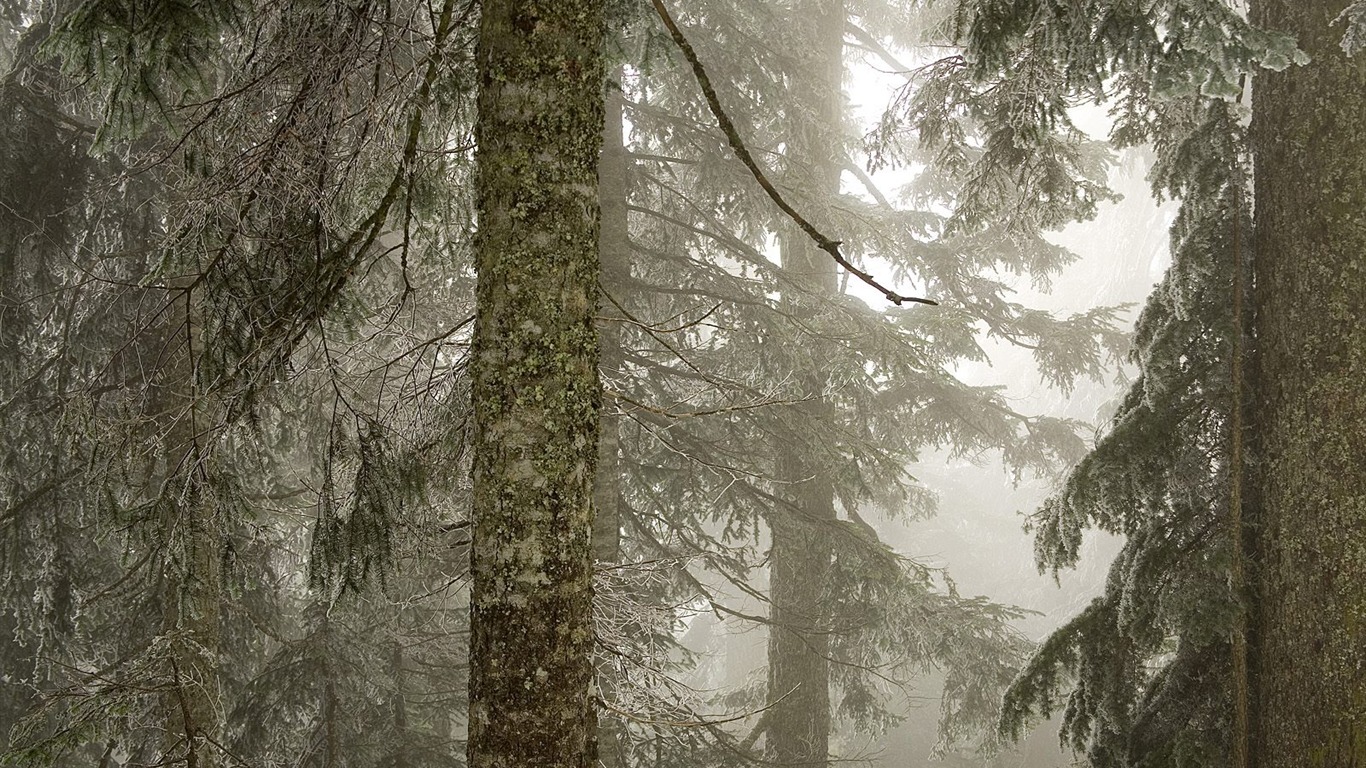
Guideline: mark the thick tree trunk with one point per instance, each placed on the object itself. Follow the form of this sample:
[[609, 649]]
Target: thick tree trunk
[[1309, 649], [798, 726], [536, 395]]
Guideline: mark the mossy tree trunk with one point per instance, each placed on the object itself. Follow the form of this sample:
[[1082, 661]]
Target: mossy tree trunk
[[1309, 644], [798, 725], [535, 379]]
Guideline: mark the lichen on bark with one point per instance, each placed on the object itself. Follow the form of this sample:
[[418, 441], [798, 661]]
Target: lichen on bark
[[536, 394], [1309, 642]]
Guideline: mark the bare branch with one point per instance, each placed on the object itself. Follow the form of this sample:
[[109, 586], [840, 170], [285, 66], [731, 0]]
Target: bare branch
[[823, 242]]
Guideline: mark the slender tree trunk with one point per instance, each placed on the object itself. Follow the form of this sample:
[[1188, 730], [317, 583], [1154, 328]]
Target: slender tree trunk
[[536, 393], [399, 704], [798, 726], [1309, 139], [614, 251], [192, 582], [194, 708], [615, 256]]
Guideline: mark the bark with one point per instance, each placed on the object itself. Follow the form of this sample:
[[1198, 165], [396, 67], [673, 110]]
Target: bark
[[194, 708], [535, 383], [798, 726], [399, 705], [1309, 650]]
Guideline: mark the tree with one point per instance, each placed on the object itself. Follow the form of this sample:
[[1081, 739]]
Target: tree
[[726, 424], [535, 398], [1157, 669], [214, 288], [1309, 631], [801, 551]]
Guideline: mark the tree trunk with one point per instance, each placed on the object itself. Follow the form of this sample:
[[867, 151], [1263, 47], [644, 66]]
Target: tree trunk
[[615, 257], [192, 617], [798, 726], [399, 705], [1309, 648], [192, 580], [535, 384]]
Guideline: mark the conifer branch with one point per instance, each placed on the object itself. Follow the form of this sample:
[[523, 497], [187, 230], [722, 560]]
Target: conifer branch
[[737, 145]]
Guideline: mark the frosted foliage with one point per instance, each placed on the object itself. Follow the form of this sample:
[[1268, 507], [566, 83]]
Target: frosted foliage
[[1130, 674], [1354, 16]]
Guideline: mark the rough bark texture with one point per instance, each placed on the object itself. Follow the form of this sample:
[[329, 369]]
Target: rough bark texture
[[194, 709], [798, 726], [1309, 139], [536, 395]]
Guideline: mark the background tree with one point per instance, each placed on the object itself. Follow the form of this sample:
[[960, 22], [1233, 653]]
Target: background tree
[[233, 184], [723, 361]]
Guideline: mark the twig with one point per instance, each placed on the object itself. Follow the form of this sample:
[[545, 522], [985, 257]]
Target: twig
[[700, 722], [831, 247]]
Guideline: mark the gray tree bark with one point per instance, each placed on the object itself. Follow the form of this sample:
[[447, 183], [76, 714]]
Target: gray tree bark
[[614, 250], [192, 535], [798, 726], [1309, 643], [535, 383]]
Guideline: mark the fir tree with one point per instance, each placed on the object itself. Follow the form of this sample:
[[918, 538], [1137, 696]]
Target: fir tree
[[704, 421], [231, 195], [1150, 672]]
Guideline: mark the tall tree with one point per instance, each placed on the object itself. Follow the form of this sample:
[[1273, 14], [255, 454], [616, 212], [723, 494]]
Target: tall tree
[[752, 397], [1309, 632], [536, 393], [1156, 669], [201, 255], [801, 551]]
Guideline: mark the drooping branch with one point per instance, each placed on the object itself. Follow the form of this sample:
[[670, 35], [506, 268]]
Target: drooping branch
[[737, 144]]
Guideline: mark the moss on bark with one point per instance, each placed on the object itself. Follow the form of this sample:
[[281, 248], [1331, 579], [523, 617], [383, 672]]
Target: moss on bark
[[536, 393], [1309, 137]]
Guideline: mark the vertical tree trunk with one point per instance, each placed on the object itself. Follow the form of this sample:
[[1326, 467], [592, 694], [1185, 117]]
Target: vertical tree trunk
[[192, 615], [615, 257], [1309, 139], [798, 726], [192, 581], [536, 394]]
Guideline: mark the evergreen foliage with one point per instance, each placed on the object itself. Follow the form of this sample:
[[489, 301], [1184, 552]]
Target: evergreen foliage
[[189, 312], [1144, 676], [236, 291], [714, 360]]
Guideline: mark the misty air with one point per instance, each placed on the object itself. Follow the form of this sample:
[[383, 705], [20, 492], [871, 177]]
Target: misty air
[[660, 384]]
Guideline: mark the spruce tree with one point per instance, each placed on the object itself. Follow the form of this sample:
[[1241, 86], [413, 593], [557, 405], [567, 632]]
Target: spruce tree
[[233, 195], [725, 385], [1156, 671]]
